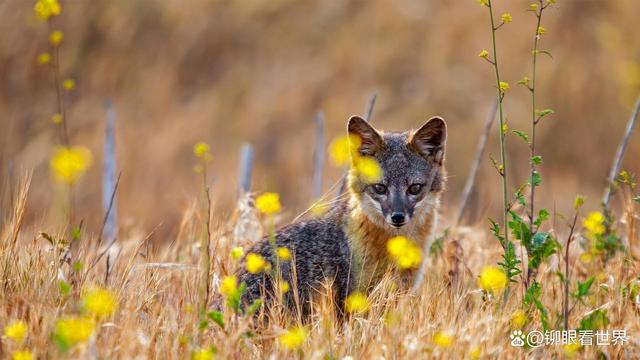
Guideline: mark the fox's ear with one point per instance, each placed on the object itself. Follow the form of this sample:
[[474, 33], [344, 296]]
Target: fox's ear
[[430, 139], [370, 139]]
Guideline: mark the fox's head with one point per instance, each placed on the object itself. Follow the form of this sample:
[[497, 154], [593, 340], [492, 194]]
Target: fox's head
[[412, 172]]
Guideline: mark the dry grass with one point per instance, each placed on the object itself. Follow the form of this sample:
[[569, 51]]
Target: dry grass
[[158, 296]]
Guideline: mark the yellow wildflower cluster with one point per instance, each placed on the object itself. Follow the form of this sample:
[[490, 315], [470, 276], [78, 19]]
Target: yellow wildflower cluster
[[284, 287], [229, 286], [44, 58], [475, 353], [484, 54], [442, 339], [594, 223], [506, 18], [69, 163], [55, 38], [22, 355], [541, 30], [268, 203], [16, 331], [493, 280], [293, 338], [45, 9], [504, 86], [56, 119], [483, 2], [357, 302], [533, 7], [99, 302], [344, 151], [404, 252], [571, 350], [201, 150], [69, 84], [256, 263], [519, 319], [319, 208], [202, 354], [237, 252], [342, 148], [283, 253], [368, 168], [70, 331]]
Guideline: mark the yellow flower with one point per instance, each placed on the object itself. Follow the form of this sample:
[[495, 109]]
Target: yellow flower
[[594, 223], [22, 355], [319, 208], [283, 253], [343, 148], [268, 203], [73, 330], [504, 86], [519, 319], [505, 128], [293, 338], [55, 38], [578, 202], [404, 252], [69, 84], [284, 287], [44, 58], [442, 339], [229, 286], [200, 149], [541, 30], [99, 302], [483, 2], [571, 350], [45, 9], [493, 280], [368, 168], [551, 1], [507, 18], [56, 118], [475, 353], [202, 354], [484, 54], [256, 263], [16, 330], [586, 257], [357, 302], [237, 252], [68, 164], [533, 7]]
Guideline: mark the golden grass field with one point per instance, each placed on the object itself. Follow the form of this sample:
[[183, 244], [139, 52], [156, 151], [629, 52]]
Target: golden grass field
[[190, 82]]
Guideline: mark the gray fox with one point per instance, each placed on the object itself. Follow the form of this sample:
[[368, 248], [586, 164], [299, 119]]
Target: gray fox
[[347, 246]]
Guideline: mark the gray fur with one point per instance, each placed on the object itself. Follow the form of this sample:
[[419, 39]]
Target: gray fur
[[323, 249]]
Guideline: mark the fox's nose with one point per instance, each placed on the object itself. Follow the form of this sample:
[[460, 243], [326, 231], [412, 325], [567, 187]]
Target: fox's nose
[[397, 219]]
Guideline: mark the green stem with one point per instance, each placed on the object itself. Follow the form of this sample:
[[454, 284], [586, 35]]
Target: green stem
[[532, 145], [57, 84], [503, 173]]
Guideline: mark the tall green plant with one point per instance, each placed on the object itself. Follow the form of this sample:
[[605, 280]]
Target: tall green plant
[[501, 88]]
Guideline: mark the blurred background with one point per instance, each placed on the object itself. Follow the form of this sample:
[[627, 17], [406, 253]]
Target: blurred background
[[233, 71]]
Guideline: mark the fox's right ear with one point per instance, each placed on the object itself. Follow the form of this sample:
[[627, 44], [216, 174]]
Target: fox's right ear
[[370, 139], [430, 139]]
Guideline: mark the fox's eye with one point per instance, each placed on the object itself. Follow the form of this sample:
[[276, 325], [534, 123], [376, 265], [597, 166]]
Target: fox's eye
[[415, 189], [379, 189]]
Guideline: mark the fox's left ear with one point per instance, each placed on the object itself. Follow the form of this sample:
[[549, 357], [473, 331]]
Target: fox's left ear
[[430, 139]]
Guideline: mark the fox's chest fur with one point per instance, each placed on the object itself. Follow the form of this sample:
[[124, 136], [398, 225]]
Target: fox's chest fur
[[368, 239]]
